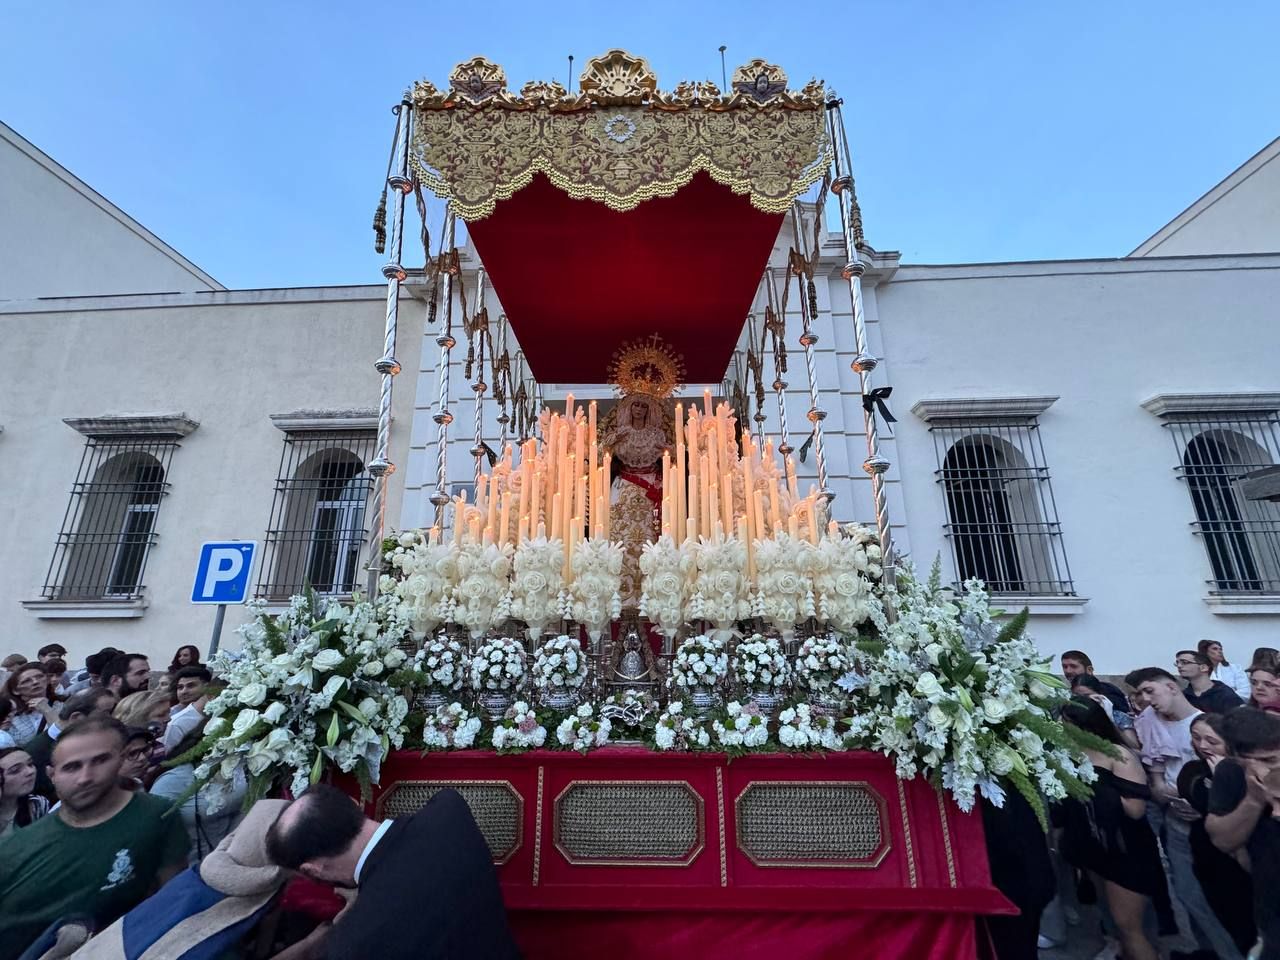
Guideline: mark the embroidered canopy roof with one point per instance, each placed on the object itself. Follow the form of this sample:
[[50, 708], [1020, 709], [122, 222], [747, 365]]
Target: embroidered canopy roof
[[621, 211]]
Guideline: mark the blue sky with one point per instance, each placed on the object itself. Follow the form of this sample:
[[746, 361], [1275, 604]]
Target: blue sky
[[253, 137]]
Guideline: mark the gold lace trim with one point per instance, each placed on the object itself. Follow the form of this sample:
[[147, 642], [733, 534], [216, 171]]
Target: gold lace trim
[[620, 141]]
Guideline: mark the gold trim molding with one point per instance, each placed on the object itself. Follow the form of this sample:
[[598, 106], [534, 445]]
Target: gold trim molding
[[619, 140]]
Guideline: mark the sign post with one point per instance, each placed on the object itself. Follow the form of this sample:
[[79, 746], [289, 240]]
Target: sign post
[[222, 577]]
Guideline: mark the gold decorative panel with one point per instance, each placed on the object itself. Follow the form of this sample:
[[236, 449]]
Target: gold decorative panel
[[497, 807], [788, 823], [629, 822]]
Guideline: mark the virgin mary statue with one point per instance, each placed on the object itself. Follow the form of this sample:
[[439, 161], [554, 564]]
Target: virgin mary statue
[[646, 373]]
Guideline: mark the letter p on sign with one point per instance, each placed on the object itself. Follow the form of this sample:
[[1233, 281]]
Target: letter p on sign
[[222, 575]]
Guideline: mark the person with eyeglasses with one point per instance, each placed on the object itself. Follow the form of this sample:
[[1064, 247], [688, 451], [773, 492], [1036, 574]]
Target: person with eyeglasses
[[1202, 691]]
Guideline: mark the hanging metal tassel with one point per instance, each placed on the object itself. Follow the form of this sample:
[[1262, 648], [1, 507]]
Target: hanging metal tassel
[[380, 224]]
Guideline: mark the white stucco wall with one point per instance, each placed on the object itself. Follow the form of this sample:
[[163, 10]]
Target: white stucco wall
[[1103, 336], [1239, 215], [60, 239], [226, 360]]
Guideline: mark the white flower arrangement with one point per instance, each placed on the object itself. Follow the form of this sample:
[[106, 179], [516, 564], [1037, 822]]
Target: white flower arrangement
[[821, 661], [442, 665], [758, 663], [592, 599], [631, 712], [497, 666], [582, 730], [784, 588], [482, 599], [423, 579], [537, 584], [451, 727], [951, 695], [307, 692], [803, 728], [700, 661], [719, 592], [840, 570], [518, 729], [560, 663], [667, 570], [679, 731], [742, 727]]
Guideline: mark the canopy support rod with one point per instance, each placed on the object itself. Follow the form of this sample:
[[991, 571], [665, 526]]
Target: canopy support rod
[[803, 270], [863, 363], [446, 343], [478, 385], [381, 467], [779, 364]]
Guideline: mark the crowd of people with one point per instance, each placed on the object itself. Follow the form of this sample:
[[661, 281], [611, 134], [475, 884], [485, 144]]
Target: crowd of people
[[1185, 811]]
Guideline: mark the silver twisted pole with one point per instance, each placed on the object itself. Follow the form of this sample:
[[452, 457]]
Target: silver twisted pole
[[863, 363], [808, 313], [446, 343], [504, 416], [381, 467], [479, 386], [779, 385]]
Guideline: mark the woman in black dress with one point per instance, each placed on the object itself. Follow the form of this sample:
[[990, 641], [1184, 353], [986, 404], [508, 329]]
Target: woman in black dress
[[1227, 886], [1109, 836]]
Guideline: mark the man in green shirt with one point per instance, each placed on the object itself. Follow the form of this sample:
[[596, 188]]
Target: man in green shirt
[[103, 852]]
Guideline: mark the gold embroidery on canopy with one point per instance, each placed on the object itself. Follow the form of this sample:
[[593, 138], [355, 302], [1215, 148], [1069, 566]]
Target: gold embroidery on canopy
[[620, 140]]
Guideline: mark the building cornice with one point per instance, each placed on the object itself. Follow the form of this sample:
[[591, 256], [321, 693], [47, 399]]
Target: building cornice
[[1207, 263], [198, 298], [133, 425], [325, 421], [1184, 404], [981, 408]]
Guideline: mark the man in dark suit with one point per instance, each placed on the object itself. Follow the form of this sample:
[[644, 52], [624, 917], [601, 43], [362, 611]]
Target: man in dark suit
[[427, 887]]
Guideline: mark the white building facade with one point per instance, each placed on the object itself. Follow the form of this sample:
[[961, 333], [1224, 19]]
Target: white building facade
[[1071, 432]]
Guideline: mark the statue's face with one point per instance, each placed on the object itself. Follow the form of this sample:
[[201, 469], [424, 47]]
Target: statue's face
[[639, 415]]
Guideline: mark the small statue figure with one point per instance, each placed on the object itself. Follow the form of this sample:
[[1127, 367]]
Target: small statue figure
[[631, 661]]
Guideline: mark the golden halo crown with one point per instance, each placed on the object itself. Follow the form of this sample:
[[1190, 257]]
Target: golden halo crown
[[648, 366]]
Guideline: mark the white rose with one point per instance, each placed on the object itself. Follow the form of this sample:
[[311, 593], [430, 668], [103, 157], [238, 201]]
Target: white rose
[[244, 720], [994, 710], [217, 725], [327, 660], [928, 686], [253, 694], [938, 717], [272, 714], [373, 668]]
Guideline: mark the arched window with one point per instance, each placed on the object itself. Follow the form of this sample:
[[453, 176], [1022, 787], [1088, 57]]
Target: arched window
[[317, 532], [1001, 518], [1241, 536], [110, 523]]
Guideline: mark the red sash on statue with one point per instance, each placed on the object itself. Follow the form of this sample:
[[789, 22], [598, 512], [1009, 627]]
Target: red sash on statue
[[653, 492]]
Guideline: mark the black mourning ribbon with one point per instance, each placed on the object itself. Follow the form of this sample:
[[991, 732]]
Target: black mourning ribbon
[[875, 400], [488, 452], [804, 448]]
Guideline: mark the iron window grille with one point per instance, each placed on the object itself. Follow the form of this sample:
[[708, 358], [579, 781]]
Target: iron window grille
[[317, 528], [1241, 537], [1002, 520], [110, 523]]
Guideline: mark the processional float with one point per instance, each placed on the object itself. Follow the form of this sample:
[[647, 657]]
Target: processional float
[[627, 234]]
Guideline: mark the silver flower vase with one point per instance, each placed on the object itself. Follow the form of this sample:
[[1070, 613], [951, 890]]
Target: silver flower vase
[[429, 701], [703, 699], [558, 698], [767, 700], [495, 703]]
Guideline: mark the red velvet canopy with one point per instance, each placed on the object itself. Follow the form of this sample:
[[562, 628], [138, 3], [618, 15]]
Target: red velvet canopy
[[577, 279]]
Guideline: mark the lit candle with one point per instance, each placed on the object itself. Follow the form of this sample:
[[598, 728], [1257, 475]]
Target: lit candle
[[504, 517], [459, 516], [581, 512], [833, 530], [706, 402], [433, 537], [714, 510], [570, 414], [606, 472], [522, 507], [475, 528], [775, 518], [555, 515], [812, 501], [793, 527], [791, 479], [680, 471], [491, 519], [591, 428]]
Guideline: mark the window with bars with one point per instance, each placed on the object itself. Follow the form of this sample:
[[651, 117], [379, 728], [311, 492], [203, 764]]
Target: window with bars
[[110, 523], [1002, 521], [317, 527], [1219, 440]]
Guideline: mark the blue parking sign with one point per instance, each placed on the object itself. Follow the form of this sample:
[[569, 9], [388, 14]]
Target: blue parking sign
[[222, 575]]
